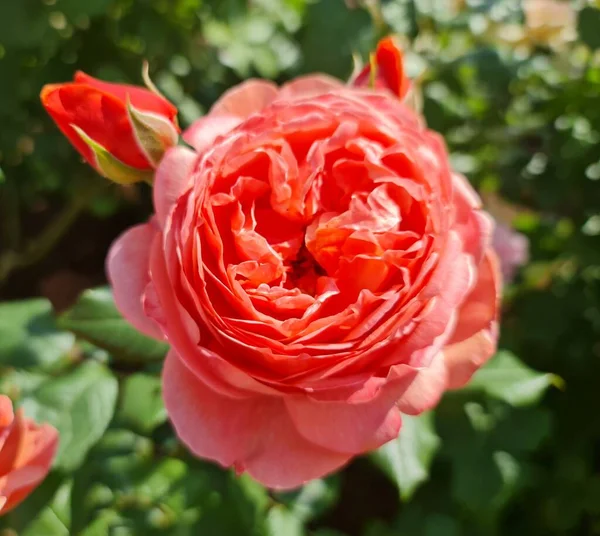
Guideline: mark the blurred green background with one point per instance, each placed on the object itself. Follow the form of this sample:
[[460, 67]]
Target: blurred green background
[[518, 101]]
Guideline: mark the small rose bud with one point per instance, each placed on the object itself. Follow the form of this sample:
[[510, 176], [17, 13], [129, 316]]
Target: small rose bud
[[385, 70], [122, 131]]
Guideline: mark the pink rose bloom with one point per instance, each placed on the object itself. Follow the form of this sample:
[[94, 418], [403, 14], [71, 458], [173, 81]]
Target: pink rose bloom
[[26, 453], [318, 270], [512, 249]]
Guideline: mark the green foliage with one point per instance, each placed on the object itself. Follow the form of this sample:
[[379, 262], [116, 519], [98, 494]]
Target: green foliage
[[80, 405], [29, 337], [407, 459], [515, 452], [95, 318]]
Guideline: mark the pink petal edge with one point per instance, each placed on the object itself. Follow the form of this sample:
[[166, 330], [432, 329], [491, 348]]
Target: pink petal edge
[[127, 269]]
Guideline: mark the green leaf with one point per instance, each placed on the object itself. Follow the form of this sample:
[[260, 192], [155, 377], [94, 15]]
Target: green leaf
[[282, 522], [331, 34], [54, 520], [96, 319], [155, 495], [142, 405], [75, 9], [29, 336], [406, 460], [80, 405], [43, 512], [20, 383], [587, 27], [312, 499], [488, 447], [506, 378]]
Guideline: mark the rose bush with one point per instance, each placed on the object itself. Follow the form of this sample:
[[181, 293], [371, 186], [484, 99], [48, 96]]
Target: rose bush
[[26, 453], [317, 268]]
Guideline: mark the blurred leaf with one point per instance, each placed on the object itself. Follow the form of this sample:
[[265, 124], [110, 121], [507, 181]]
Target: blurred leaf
[[75, 9], [19, 383], [16, 16], [487, 446], [587, 27], [80, 405], [96, 319], [29, 336], [406, 460], [142, 405], [44, 512], [126, 484], [332, 33], [508, 379], [312, 499], [54, 520], [282, 522]]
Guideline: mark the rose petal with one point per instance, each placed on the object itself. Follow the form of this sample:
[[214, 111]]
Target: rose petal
[[172, 176], [474, 339], [203, 132], [127, 267], [474, 225], [347, 427], [427, 388], [6, 411], [183, 335], [254, 434], [246, 99], [309, 86]]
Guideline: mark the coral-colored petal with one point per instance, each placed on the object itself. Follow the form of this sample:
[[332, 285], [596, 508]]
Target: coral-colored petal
[[172, 176], [309, 86], [474, 225], [6, 411], [476, 333], [141, 98], [203, 132], [350, 427], [183, 336], [427, 388], [254, 434], [127, 268], [246, 99]]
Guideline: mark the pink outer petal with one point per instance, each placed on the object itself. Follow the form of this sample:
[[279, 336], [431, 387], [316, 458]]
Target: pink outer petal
[[309, 86], [351, 427], [245, 99], [474, 225], [426, 390], [474, 340], [255, 434], [204, 131], [127, 268], [172, 176]]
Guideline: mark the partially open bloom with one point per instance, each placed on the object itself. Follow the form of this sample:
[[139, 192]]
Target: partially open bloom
[[317, 268], [26, 453], [122, 131]]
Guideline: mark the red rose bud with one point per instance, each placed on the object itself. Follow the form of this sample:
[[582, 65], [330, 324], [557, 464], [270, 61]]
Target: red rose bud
[[385, 70], [121, 130]]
